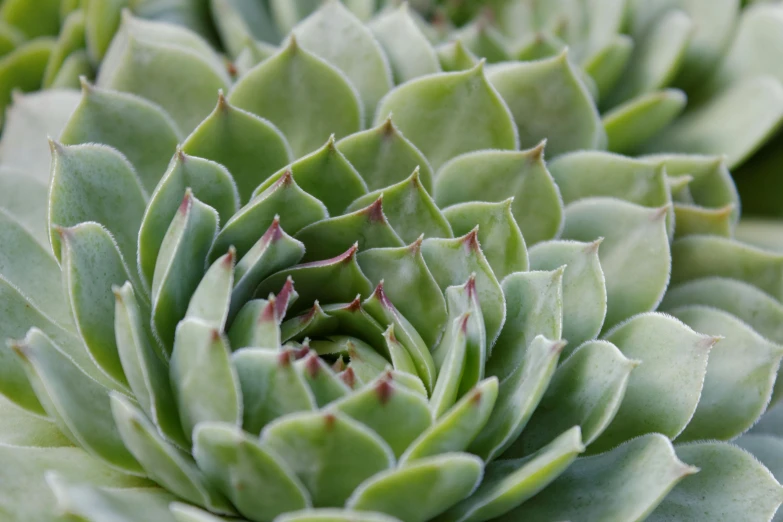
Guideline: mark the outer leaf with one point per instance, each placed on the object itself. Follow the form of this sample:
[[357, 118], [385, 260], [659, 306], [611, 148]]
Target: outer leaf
[[549, 101], [25, 198], [305, 97], [250, 147], [336, 444], [670, 352], [432, 110], [626, 483], [335, 515], [422, 489], [497, 175], [96, 183], [23, 68], [630, 125], [137, 128], [21, 428], [634, 254], [731, 484]]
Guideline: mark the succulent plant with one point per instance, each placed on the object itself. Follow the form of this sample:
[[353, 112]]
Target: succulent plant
[[328, 298]]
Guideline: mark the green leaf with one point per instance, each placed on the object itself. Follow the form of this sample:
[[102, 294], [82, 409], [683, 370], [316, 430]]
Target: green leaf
[[409, 285], [102, 19], [731, 484], [22, 428], [336, 280], [43, 18], [695, 257], [188, 513], [409, 209], [339, 38], [422, 489], [756, 308], [508, 483], [256, 324], [454, 56], [367, 227], [735, 122], [70, 40], [392, 411], [238, 21], [151, 59], [548, 101], [518, 397], [634, 254], [96, 183], [204, 381], [250, 147], [534, 303], [208, 181], [283, 199], [452, 261], [138, 129], [181, 265], [586, 390], [607, 65], [383, 157], [25, 494], [665, 388], [91, 265], [497, 175], [147, 375], [304, 96], [766, 448], [95, 504], [271, 386], [170, 467], [584, 287], [335, 515], [78, 404], [357, 363], [325, 174], [631, 124], [407, 48], [433, 111], [317, 446], [23, 68], [242, 468], [499, 234], [322, 381], [741, 371], [210, 301], [626, 483], [452, 366], [456, 429]]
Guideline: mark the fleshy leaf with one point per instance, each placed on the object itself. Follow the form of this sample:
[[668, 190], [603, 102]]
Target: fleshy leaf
[[150, 59], [137, 128], [731, 484], [271, 386], [170, 467], [203, 378], [508, 483], [455, 430], [325, 174], [242, 468], [21, 428], [208, 181], [452, 366], [454, 56], [634, 254], [626, 483], [284, 199], [630, 125], [407, 48], [338, 37], [499, 235], [70, 40], [333, 514], [322, 381], [586, 391], [607, 65], [518, 396], [392, 411], [584, 287], [96, 183], [741, 371], [422, 489], [665, 388], [147, 375], [23, 68], [432, 111], [337, 443], [238, 22], [305, 97], [102, 19], [549, 101], [78, 404], [250, 147], [210, 301], [495, 176], [452, 261], [409, 285], [181, 265]]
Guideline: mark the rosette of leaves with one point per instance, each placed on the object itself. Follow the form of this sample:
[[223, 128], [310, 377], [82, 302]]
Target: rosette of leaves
[[298, 309]]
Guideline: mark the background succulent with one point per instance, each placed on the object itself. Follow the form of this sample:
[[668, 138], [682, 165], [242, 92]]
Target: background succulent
[[210, 250]]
